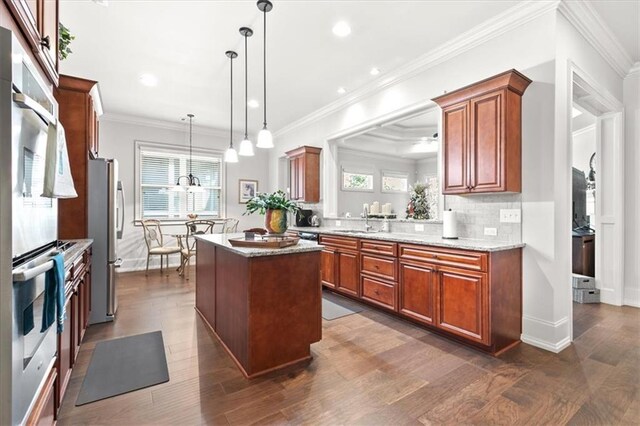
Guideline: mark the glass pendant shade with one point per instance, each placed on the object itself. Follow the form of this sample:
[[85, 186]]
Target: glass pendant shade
[[177, 188], [246, 148], [265, 140], [231, 155]]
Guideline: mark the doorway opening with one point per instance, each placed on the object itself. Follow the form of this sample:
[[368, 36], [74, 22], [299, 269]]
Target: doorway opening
[[597, 181]]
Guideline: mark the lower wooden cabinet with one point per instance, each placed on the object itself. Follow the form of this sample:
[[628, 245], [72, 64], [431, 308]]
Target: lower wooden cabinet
[[418, 286], [65, 356], [473, 296], [463, 303], [44, 410], [348, 273], [328, 267]]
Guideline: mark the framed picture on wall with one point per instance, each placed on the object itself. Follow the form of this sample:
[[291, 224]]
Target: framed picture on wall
[[248, 190]]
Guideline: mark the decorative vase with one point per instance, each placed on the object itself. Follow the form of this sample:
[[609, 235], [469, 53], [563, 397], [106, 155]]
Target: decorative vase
[[275, 220]]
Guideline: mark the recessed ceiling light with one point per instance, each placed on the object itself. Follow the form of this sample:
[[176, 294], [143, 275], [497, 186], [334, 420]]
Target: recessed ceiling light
[[148, 80], [253, 103], [575, 112], [374, 71], [341, 29], [342, 90]]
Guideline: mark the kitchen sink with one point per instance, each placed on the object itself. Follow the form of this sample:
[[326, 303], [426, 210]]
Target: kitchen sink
[[355, 231]]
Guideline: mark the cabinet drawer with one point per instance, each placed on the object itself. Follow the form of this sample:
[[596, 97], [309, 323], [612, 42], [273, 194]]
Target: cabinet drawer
[[379, 247], [342, 242], [476, 261], [379, 292], [379, 266]]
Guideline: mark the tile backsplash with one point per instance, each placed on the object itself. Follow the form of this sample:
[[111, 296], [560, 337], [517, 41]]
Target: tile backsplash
[[474, 214]]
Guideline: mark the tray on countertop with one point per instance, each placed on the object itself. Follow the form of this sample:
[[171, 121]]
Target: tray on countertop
[[266, 241]]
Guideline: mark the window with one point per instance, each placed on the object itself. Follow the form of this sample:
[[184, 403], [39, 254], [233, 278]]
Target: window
[[160, 166], [395, 182], [433, 196], [355, 180]]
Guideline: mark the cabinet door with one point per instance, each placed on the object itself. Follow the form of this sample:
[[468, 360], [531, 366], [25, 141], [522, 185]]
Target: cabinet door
[[456, 148], [75, 325], [487, 143], [300, 171], [63, 362], [26, 15], [43, 412], [348, 273], [87, 298], [463, 304], [49, 33], [293, 178], [418, 291], [328, 267]]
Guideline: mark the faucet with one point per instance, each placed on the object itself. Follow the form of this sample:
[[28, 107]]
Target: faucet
[[365, 215]]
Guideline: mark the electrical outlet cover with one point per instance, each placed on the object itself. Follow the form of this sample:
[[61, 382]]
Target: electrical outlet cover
[[491, 231], [510, 215], [338, 223], [419, 227]]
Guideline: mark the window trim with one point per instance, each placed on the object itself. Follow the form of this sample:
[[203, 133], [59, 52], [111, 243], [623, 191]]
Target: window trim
[[142, 145], [396, 174], [357, 169]]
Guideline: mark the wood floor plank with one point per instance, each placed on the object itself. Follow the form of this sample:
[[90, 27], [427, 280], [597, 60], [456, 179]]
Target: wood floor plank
[[369, 369]]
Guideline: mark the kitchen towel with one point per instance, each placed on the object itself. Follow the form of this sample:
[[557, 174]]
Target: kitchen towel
[[53, 309], [58, 182]]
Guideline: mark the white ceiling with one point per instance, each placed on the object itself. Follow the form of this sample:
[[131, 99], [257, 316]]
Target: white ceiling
[[183, 44], [407, 138]]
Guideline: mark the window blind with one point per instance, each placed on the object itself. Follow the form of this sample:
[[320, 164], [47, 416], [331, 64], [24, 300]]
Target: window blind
[[159, 172]]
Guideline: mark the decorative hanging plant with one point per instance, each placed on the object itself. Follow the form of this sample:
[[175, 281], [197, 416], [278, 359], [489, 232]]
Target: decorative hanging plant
[[418, 207], [64, 40]]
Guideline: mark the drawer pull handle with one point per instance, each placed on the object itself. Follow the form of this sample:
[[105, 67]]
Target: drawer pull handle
[[376, 291], [376, 266], [435, 256]]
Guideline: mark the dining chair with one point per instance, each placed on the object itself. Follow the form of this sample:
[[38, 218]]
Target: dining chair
[[230, 226], [188, 250], [155, 243]]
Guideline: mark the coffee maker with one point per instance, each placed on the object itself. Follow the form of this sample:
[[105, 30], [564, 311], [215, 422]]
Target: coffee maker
[[303, 217]]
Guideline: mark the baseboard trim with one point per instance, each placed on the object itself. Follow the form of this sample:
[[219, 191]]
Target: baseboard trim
[[631, 297], [553, 336], [548, 346]]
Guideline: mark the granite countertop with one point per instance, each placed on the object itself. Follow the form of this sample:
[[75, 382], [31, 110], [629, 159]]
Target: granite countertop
[[430, 240], [78, 248], [222, 240]]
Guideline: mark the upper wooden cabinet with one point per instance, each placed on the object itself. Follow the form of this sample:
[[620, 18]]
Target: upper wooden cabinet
[[304, 174], [79, 109], [38, 21], [482, 135]]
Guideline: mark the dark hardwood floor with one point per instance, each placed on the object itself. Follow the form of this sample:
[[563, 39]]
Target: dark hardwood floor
[[369, 369]]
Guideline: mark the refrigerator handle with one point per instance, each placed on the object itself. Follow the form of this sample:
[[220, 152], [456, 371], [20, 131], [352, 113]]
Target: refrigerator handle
[[120, 228]]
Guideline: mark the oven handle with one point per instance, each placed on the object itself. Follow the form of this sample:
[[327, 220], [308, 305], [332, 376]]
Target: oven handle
[[25, 101], [28, 274]]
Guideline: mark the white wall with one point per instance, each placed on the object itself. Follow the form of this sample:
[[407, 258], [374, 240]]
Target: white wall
[[584, 145], [117, 138], [426, 168], [494, 56], [632, 188], [352, 201]]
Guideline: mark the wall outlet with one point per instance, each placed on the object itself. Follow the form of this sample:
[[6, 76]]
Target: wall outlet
[[491, 231], [419, 227], [338, 223], [510, 215]]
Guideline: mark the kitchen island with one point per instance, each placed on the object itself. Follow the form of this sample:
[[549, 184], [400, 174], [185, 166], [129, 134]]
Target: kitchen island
[[264, 305]]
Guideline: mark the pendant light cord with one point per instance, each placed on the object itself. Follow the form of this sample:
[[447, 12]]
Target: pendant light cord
[[246, 94], [264, 57], [231, 125]]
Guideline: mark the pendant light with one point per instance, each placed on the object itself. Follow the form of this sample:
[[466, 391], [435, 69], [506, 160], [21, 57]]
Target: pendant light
[[193, 183], [265, 139], [230, 155], [246, 146]]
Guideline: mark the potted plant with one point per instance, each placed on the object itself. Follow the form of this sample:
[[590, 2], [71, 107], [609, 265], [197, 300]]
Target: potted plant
[[275, 207]]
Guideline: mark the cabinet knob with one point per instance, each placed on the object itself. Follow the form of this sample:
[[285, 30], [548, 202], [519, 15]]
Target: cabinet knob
[[46, 42], [376, 266], [435, 256]]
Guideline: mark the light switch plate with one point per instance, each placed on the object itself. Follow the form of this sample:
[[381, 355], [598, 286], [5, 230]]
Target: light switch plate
[[510, 215], [419, 227], [338, 223], [491, 231]]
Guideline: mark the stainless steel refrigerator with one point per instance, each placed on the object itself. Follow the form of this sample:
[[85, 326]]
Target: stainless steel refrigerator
[[106, 221]]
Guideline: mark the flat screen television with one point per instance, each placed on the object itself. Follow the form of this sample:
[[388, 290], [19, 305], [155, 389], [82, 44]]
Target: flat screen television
[[579, 199]]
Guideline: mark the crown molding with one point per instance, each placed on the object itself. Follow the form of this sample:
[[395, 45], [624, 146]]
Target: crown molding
[[166, 125], [590, 25], [634, 71], [511, 18]]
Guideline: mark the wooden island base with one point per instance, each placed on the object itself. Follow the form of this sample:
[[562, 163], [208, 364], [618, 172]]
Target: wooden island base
[[264, 309]]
